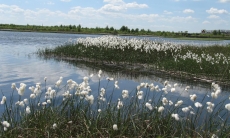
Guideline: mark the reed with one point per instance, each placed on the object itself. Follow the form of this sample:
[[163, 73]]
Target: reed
[[73, 109]]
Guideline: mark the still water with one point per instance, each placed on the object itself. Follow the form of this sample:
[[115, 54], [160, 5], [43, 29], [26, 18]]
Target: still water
[[19, 64]]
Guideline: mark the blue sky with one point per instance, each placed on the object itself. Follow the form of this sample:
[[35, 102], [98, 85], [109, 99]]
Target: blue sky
[[156, 15]]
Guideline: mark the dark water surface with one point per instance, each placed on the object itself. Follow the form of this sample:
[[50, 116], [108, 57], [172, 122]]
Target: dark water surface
[[19, 64]]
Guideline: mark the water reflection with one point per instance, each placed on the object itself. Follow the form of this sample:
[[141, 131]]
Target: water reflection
[[18, 65]]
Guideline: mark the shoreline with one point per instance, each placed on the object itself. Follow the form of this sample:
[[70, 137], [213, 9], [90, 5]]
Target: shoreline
[[85, 33], [145, 69]]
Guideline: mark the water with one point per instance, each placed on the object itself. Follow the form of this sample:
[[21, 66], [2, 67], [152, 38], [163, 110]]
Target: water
[[19, 64]]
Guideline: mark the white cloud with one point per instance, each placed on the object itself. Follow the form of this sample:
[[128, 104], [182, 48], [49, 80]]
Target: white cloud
[[181, 19], [167, 12], [66, 0], [113, 1], [120, 5], [205, 22], [216, 11], [50, 3], [213, 17], [224, 1], [188, 11]]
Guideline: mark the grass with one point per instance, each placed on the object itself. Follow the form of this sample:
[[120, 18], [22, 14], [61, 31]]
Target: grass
[[209, 62], [201, 39], [74, 110]]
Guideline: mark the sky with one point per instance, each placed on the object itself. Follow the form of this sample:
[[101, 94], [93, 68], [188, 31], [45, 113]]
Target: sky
[[156, 15]]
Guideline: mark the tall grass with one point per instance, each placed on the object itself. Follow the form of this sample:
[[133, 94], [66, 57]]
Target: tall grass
[[74, 110], [209, 62]]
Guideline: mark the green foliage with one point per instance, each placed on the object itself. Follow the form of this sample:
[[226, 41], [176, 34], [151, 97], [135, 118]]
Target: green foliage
[[75, 116], [212, 65]]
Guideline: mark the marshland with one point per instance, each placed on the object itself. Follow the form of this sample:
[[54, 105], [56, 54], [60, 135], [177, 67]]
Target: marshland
[[69, 85]]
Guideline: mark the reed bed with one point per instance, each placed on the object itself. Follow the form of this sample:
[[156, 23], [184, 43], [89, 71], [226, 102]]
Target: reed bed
[[207, 62], [73, 109]]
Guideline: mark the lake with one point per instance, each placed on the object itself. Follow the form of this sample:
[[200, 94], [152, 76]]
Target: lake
[[20, 64]]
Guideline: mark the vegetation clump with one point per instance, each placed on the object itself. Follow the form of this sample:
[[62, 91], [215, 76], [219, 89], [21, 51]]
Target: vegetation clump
[[76, 110], [206, 62]]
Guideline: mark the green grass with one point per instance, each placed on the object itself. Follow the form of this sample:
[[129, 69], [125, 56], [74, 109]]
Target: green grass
[[77, 117], [211, 65], [201, 39]]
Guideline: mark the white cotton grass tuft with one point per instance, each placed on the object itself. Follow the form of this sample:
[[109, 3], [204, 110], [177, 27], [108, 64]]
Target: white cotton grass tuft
[[185, 109], [32, 96], [164, 101], [216, 89], [26, 101], [180, 102], [115, 127], [21, 89], [3, 100], [99, 73], [116, 85], [58, 83], [125, 94], [175, 116], [149, 106], [6, 125], [90, 98], [119, 104], [161, 109], [193, 97], [197, 104], [173, 89], [13, 86], [48, 101], [170, 102], [227, 106], [210, 106], [214, 136], [140, 94], [54, 126], [28, 110]]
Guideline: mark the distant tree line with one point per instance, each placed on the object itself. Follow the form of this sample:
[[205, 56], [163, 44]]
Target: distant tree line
[[124, 30]]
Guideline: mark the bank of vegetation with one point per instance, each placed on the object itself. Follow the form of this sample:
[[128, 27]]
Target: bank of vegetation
[[123, 30], [73, 109], [208, 63]]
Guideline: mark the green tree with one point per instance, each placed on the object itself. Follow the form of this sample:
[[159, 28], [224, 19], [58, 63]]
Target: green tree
[[214, 32]]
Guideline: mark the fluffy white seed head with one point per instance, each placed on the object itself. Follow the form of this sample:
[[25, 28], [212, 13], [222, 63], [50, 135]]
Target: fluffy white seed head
[[115, 127], [185, 109], [125, 94], [140, 94], [54, 126], [3, 100], [193, 97], [119, 104], [149, 106], [21, 89], [179, 103], [227, 106], [175, 116], [28, 110], [197, 104], [173, 89], [13, 86], [161, 109]]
